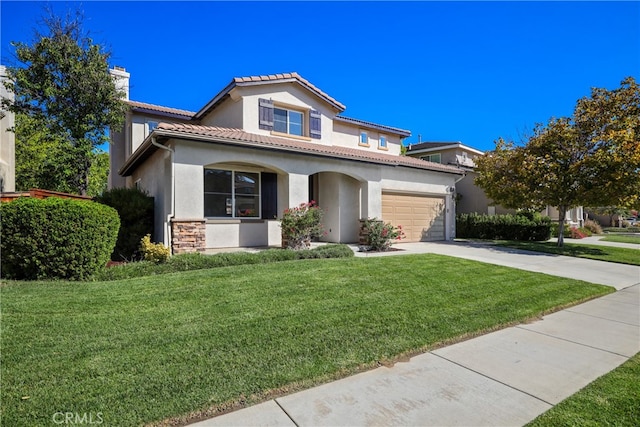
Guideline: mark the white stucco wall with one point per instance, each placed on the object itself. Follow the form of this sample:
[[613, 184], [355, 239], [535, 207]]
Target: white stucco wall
[[7, 141], [155, 178], [347, 190], [241, 110], [228, 114]]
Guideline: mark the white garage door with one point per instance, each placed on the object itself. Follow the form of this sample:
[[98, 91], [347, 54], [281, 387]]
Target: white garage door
[[421, 217]]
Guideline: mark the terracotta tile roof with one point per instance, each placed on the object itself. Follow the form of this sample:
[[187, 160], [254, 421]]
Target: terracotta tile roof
[[266, 79], [241, 138], [160, 109], [402, 132]]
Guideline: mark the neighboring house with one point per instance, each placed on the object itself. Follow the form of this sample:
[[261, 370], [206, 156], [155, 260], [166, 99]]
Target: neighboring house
[[222, 175], [469, 197], [7, 141]]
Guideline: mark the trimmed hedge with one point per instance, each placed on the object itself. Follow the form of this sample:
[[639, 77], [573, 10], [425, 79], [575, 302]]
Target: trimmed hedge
[[135, 208], [56, 238], [197, 261], [503, 227]]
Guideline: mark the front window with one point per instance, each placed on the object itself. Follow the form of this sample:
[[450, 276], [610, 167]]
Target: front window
[[288, 121], [231, 194]]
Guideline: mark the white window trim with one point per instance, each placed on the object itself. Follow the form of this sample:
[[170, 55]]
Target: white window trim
[[233, 216], [386, 140], [360, 143], [287, 108]]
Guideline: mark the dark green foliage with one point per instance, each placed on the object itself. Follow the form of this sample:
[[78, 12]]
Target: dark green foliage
[[61, 81], [621, 230], [56, 238], [135, 208], [503, 227], [197, 261]]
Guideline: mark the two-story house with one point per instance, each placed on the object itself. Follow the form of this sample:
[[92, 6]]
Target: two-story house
[[469, 197], [221, 176]]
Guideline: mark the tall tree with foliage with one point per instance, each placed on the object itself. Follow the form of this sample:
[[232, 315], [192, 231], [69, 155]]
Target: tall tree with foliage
[[62, 84], [592, 158]]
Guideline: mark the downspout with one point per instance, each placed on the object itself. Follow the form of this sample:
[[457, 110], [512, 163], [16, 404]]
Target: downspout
[[167, 238], [453, 202]]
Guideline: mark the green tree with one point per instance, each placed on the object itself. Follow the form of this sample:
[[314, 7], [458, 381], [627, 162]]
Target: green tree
[[98, 173], [42, 160], [592, 158], [62, 84]]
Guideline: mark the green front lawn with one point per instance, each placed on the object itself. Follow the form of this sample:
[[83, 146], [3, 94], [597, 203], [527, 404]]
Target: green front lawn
[[611, 400], [151, 348], [598, 252], [622, 239]]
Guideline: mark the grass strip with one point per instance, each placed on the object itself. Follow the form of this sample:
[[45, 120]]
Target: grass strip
[[190, 344], [597, 252], [622, 239], [611, 400]]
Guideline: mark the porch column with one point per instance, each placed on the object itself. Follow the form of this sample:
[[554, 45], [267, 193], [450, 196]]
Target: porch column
[[371, 199], [294, 190]]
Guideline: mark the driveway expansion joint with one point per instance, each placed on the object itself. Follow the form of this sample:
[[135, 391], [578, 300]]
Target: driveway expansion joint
[[569, 310]]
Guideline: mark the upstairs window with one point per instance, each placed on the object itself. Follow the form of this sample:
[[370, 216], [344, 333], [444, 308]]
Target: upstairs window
[[150, 126], [382, 142], [364, 139], [435, 158], [288, 121], [279, 118]]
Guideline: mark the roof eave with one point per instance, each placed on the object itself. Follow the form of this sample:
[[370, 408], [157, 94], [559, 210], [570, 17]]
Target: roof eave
[[400, 132], [147, 148]]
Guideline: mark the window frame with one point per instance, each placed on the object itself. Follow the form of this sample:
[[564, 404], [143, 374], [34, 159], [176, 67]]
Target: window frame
[[148, 127], [234, 195], [366, 135], [288, 110], [429, 158], [382, 146]]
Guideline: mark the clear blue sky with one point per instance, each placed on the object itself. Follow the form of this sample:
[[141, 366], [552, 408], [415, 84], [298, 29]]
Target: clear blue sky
[[449, 71]]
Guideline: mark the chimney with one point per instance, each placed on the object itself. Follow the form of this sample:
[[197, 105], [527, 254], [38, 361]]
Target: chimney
[[121, 79]]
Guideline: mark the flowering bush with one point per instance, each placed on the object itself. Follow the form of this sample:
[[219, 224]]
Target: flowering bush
[[578, 233], [381, 236], [300, 225]]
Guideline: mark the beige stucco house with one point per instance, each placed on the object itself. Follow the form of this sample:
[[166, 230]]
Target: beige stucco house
[[221, 176], [7, 141], [469, 197]]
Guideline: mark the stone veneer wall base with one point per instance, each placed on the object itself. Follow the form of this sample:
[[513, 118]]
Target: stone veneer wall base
[[187, 235]]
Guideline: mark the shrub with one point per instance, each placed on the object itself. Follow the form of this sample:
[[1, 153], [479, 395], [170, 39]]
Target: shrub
[[503, 227], [577, 233], [135, 208], [593, 226], [380, 236], [56, 238], [154, 252], [198, 261], [300, 225], [554, 230]]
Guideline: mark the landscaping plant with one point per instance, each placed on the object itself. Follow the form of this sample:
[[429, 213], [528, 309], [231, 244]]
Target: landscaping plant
[[135, 208], [56, 238], [154, 252], [300, 225], [380, 235]]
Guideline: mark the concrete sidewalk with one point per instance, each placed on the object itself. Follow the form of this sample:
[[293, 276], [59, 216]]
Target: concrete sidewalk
[[506, 377]]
